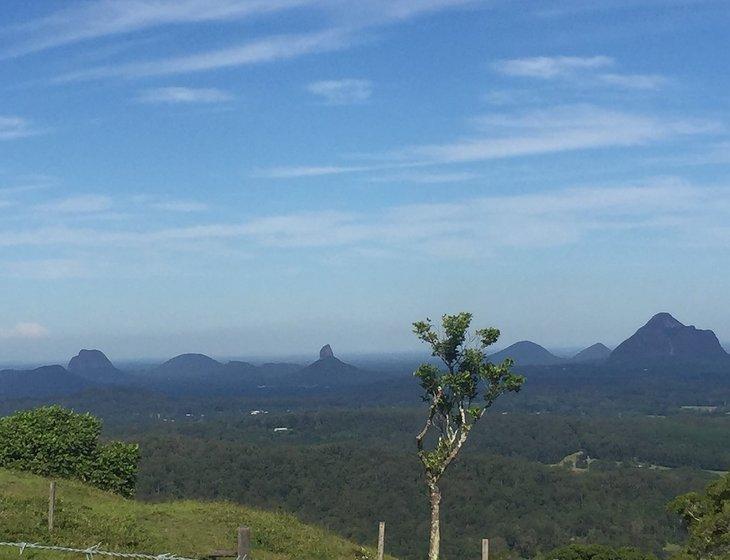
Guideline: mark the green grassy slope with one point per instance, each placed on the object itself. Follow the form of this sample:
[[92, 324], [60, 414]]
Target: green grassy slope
[[86, 516]]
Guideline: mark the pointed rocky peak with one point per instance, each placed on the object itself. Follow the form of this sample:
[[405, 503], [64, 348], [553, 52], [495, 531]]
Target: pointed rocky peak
[[326, 352], [328, 370], [664, 321]]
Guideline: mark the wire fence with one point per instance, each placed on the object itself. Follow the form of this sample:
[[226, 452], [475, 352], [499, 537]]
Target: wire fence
[[91, 551]]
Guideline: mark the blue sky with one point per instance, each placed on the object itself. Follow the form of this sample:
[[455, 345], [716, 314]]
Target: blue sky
[[242, 177]]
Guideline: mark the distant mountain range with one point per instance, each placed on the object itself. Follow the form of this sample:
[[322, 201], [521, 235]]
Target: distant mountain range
[[528, 353], [663, 341], [40, 382], [193, 371], [183, 374]]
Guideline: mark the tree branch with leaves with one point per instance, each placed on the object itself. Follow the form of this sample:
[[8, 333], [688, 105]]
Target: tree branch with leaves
[[457, 396]]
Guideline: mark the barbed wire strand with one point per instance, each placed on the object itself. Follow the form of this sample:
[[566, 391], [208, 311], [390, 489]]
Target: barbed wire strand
[[92, 551]]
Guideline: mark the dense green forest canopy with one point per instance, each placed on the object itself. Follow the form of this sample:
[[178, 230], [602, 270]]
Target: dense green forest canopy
[[582, 456], [523, 506]]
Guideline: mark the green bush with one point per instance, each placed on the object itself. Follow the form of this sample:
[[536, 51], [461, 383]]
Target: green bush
[[707, 518], [57, 442], [597, 552]]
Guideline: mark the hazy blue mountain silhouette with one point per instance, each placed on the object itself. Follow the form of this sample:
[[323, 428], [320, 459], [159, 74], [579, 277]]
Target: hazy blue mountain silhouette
[[329, 370], [526, 353], [188, 365], [665, 340], [95, 366], [596, 353], [40, 382]]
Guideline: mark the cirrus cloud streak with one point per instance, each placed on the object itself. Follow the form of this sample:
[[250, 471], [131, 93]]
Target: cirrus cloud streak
[[476, 226]]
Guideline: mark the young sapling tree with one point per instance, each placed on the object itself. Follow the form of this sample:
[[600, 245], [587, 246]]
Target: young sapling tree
[[458, 398]]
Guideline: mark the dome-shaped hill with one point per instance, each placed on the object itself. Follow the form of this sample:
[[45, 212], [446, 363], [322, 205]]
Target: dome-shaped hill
[[526, 353], [186, 365], [86, 516]]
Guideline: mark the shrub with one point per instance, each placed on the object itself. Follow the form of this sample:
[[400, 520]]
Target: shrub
[[57, 442]]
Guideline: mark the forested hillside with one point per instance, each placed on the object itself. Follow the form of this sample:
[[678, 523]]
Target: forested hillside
[[346, 468]]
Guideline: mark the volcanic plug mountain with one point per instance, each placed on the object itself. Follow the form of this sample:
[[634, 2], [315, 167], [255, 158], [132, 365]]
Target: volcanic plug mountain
[[329, 370], [94, 366], [664, 339]]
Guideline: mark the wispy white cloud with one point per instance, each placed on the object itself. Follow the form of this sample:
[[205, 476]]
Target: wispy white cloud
[[374, 12], [184, 206], [343, 27], [565, 128], [83, 204], [104, 18], [713, 153], [634, 81], [24, 331], [342, 92], [547, 67], [178, 95], [504, 97], [467, 227], [100, 19], [169, 204], [590, 71], [43, 269], [294, 172], [470, 227], [12, 127], [268, 49], [427, 177], [558, 129]]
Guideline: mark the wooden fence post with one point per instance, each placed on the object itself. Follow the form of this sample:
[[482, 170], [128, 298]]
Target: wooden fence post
[[51, 505], [485, 549], [381, 540], [244, 543]]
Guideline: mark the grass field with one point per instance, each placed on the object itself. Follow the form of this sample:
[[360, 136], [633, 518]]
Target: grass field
[[86, 516]]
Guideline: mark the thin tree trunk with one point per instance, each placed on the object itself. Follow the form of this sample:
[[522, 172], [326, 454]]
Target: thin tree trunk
[[434, 544]]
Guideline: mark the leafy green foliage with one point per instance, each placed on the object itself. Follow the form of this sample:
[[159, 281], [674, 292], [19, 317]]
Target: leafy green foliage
[[54, 441], [597, 552], [707, 518], [460, 395]]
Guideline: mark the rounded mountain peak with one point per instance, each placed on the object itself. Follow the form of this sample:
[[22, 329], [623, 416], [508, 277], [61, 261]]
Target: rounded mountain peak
[[326, 352]]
